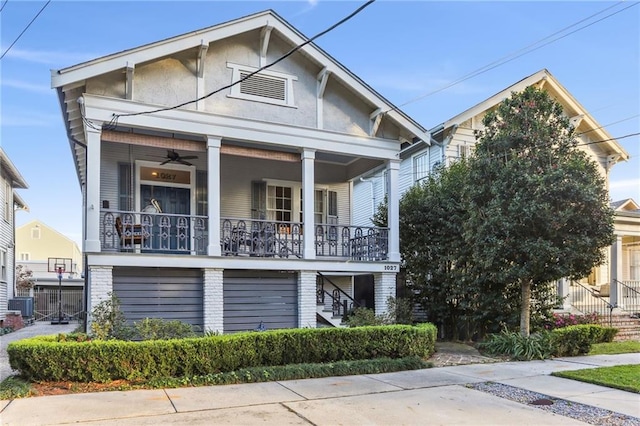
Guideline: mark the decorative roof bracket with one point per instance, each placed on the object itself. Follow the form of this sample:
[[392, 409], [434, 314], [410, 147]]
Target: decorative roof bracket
[[265, 34]]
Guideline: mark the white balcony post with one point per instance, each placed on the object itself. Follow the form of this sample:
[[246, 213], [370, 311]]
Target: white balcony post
[[308, 218], [616, 272], [92, 206], [393, 211], [213, 194]]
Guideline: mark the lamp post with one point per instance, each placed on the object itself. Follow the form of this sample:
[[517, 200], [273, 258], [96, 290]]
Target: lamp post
[[60, 320]]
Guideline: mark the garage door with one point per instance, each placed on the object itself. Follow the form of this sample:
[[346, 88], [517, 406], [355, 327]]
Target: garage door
[[171, 294], [267, 297]]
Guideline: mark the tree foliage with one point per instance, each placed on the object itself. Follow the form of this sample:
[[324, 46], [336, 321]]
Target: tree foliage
[[538, 206], [24, 277]]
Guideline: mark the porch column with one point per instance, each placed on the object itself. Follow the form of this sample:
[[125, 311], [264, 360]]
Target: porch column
[[393, 212], [564, 292], [616, 272], [384, 287], [213, 194], [99, 287], [307, 299], [92, 206], [308, 218], [213, 303]]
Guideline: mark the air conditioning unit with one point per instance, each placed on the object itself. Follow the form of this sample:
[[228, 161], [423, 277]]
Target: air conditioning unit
[[22, 304]]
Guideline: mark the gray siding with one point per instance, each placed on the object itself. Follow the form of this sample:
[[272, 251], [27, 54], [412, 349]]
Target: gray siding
[[170, 294], [254, 296]]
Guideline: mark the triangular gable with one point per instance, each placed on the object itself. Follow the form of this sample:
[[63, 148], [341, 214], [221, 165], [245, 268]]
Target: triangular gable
[[547, 82], [75, 75], [625, 205]]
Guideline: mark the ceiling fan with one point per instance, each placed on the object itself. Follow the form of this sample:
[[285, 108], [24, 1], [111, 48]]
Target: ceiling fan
[[174, 157]]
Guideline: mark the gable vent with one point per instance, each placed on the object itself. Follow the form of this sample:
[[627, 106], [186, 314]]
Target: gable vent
[[266, 87]]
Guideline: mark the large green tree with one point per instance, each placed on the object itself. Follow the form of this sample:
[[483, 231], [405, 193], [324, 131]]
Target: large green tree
[[538, 205]]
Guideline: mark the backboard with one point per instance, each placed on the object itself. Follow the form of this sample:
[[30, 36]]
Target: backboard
[[54, 264]]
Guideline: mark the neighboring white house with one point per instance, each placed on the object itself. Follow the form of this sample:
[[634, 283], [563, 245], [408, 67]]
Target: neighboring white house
[[232, 210], [455, 138], [10, 179]]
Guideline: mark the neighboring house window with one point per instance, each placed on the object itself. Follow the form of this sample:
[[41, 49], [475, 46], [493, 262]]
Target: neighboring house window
[[7, 201], [420, 167], [266, 86], [464, 151], [279, 203], [634, 265], [3, 265], [25, 256], [35, 233]]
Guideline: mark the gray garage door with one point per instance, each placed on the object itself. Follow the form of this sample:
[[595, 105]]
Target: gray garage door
[[251, 297], [171, 294]]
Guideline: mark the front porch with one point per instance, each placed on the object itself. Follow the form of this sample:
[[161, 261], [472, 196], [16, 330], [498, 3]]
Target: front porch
[[162, 233]]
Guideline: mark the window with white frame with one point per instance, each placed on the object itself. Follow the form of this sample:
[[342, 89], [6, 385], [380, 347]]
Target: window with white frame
[[266, 86], [35, 233], [279, 203], [634, 265], [420, 167], [464, 151], [25, 256], [3, 265]]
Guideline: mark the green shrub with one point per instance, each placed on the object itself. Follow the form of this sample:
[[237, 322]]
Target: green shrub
[[107, 320], [513, 344], [44, 358], [361, 317], [159, 329], [577, 339]]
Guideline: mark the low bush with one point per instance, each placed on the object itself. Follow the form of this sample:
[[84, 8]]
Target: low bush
[[159, 329], [566, 341], [45, 358], [565, 320]]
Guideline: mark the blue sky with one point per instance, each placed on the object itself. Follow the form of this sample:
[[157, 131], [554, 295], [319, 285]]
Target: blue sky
[[402, 49]]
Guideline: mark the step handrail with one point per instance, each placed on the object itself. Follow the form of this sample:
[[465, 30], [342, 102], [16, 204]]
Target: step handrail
[[323, 277], [599, 298]]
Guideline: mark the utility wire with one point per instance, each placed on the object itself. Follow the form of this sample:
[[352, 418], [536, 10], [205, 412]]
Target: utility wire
[[607, 125], [25, 28], [3, 5], [518, 53], [114, 120]]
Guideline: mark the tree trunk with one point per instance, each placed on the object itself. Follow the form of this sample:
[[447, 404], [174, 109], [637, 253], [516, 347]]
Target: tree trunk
[[525, 311]]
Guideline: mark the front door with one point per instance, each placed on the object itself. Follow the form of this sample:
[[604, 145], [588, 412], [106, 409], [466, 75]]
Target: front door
[[172, 229]]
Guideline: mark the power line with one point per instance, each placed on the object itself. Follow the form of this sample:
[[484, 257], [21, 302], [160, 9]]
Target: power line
[[607, 125], [508, 58], [25, 28], [114, 120], [3, 5]]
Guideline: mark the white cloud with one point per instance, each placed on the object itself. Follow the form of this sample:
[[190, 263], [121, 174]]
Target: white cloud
[[24, 85], [625, 188], [50, 57], [29, 119]]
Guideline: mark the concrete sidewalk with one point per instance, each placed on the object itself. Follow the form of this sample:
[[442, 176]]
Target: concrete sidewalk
[[430, 396]]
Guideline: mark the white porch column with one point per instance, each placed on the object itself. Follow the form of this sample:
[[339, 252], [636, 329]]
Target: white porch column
[[393, 211], [213, 303], [92, 208], [308, 184], [307, 299], [616, 272], [99, 285], [213, 194], [564, 292], [384, 286]]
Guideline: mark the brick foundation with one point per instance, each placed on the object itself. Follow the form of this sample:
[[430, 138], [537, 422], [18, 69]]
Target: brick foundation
[[14, 320]]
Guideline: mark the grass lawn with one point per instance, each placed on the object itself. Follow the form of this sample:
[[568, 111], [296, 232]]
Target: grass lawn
[[624, 377], [629, 346]]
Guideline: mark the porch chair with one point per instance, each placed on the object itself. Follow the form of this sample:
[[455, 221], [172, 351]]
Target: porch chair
[[129, 235]]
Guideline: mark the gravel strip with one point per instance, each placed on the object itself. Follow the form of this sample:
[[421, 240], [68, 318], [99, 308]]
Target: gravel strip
[[575, 410]]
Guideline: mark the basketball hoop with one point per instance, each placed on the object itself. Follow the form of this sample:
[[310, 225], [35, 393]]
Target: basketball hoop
[[60, 265]]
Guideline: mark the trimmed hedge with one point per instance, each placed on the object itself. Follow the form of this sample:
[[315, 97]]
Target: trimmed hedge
[[577, 339], [44, 358]]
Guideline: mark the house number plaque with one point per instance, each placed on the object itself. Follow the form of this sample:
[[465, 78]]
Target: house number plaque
[[165, 175]]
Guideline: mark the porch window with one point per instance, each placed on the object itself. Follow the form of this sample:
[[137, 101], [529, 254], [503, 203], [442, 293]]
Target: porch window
[[279, 203], [420, 167]]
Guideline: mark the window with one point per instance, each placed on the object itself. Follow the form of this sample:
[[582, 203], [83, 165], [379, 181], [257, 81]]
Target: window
[[420, 167], [266, 86], [634, 265], [279, 203], [125, 185], [3, 265], [332, 211], [464, 151], [35, 233], [25, 256]]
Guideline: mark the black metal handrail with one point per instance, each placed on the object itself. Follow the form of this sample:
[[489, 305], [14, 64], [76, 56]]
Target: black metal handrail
[[592, 301], [342, 304]]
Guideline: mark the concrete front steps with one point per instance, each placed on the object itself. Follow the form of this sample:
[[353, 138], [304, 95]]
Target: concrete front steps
[[326, 315]]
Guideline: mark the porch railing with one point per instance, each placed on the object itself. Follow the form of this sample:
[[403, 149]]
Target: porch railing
[[153, 232], [341, 302], [629, 295], [588, 301], [254, 237]]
